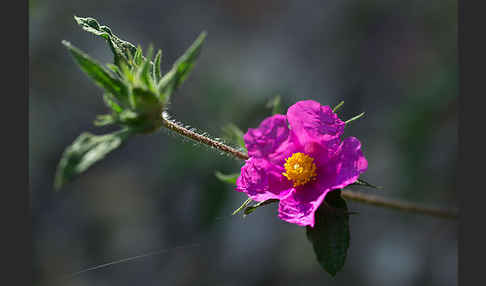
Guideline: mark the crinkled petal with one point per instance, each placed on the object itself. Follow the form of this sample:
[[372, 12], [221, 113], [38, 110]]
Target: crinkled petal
[[343, 167], [261, 180], [302, 202], [264, 140], [311, 121], [350, 163]]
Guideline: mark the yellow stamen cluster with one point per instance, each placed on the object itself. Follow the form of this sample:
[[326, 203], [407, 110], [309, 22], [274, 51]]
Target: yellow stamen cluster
[[300, 169]]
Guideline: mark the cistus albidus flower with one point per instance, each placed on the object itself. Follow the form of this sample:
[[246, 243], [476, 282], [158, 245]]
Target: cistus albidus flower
[[298, 158]]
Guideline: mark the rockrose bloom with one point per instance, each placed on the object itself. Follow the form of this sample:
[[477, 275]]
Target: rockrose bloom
[[298, 158]]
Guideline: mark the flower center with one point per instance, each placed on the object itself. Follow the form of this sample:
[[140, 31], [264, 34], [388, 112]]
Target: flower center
[[300, 169]]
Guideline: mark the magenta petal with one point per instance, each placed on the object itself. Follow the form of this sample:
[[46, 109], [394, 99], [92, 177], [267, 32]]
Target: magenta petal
[[265, 139], [347, 164], [301, 204], [261, 180], [311, 121]]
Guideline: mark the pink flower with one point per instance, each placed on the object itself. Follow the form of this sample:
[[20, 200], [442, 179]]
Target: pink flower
[[298, 158]]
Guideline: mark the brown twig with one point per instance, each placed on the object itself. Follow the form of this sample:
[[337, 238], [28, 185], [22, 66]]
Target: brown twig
[[399, 205]]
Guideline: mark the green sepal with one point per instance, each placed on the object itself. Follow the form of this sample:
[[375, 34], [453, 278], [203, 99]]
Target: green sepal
[[180, 70], [86, 150], [330, 235]]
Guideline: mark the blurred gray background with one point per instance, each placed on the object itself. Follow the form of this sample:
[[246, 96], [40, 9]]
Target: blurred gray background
[[395, 60]]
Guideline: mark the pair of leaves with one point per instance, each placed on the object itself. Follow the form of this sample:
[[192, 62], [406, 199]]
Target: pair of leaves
[[136, 93]]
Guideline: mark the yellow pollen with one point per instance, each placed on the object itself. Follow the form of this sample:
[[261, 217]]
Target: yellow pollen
[[300, 169]]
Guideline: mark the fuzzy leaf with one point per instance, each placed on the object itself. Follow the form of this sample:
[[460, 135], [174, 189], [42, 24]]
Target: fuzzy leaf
[[86, 150], [181, 69], [230, 178], [330, 235], [98, 73], [122, 50]]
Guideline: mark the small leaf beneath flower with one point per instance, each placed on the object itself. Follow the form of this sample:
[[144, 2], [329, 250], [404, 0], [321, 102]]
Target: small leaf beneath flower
[[230, 179], [86, 150], [250, 209], [330, 234]]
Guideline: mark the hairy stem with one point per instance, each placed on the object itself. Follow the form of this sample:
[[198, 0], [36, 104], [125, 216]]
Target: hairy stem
[[201, 138], [347, 194]]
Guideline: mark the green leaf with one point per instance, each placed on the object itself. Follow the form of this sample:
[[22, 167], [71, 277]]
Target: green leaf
[[330, 234], [181, 69], [234, 134], [86, 150], [250, 209], [275, 105], [122, 50], [230, 179], [98, 73]]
